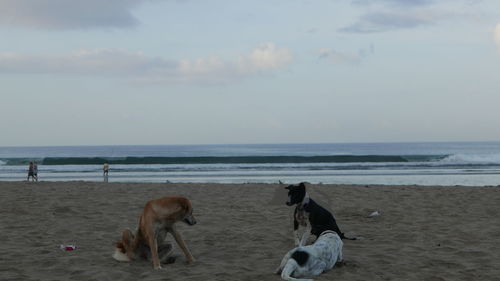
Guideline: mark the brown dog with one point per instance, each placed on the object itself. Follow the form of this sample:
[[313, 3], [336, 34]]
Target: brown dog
[[157, 219]]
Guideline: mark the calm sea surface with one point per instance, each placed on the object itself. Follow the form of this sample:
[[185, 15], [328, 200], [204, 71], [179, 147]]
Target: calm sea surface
[[468, 163]]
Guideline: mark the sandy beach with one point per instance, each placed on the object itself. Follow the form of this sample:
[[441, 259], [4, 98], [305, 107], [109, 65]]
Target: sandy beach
[[243, 231]]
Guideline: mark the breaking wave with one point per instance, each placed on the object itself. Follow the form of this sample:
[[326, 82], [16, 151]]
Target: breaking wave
[[230, 159]]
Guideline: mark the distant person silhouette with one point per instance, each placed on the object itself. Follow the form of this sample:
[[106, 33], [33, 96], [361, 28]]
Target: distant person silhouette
[[31, 172], [105, 169], [35, 171]]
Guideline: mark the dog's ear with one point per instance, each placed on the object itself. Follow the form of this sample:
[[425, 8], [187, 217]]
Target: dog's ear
[[302, 184]]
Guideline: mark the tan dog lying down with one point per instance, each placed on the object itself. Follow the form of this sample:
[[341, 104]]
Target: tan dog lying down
[[157, 219]]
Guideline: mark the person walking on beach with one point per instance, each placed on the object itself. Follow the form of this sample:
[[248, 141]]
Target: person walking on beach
[[35, 170], [105, 169], [31, 172]]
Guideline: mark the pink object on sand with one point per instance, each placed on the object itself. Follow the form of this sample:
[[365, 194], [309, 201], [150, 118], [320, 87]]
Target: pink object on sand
[[68, 247]]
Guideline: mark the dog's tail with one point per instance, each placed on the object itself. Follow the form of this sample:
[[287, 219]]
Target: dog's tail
[[289, 268]]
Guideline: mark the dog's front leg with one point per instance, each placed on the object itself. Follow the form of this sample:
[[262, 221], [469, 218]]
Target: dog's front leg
[[153, 245], [305, 237], [295, 230], [182, 244]]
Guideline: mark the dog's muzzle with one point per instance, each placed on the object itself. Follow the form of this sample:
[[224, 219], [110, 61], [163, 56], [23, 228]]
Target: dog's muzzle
[[190, 220]]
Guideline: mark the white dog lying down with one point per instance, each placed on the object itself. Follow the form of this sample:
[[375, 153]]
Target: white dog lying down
[[312, 260]]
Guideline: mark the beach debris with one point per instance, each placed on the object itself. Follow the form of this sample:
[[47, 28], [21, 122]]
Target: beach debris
[[67, 247], [374, 214]]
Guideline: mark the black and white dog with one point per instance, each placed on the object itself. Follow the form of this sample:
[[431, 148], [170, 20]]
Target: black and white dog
[[312, 260], [307, 210]]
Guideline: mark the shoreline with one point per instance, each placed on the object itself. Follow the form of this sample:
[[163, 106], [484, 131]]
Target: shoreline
[[247, 183], [243, 230]]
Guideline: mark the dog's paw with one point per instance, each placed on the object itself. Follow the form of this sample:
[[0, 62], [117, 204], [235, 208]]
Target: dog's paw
[[158, 267], [340, 263], [191, 261], [169, 260]]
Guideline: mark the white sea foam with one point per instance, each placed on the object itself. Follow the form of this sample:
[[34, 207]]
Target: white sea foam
[[472, 159]]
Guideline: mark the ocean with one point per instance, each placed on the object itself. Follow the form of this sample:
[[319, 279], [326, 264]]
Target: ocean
[[440, 163]]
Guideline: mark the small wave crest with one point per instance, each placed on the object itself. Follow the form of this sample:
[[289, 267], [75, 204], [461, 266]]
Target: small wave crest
[[472, 159]]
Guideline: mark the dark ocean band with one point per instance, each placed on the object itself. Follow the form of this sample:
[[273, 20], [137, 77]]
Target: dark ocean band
[[228, 159]]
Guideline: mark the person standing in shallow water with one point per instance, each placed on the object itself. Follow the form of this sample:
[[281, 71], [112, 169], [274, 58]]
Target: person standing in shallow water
[[31, 172], [35, 171], [105, 169]]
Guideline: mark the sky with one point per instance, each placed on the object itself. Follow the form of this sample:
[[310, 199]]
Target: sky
[[143, 72]]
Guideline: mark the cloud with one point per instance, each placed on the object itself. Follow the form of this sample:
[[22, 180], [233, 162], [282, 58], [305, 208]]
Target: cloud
[[337, 57], [496, 35], [387, 21], [67, 14], [83, 62], [115, 62], [264, 58], [389, 15], [395, 2], [267, 56]]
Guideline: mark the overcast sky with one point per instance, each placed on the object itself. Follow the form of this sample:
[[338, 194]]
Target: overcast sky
[[111, 72]]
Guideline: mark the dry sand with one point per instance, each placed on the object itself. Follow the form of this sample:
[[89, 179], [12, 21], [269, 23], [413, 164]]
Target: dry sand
[[243, 231]]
